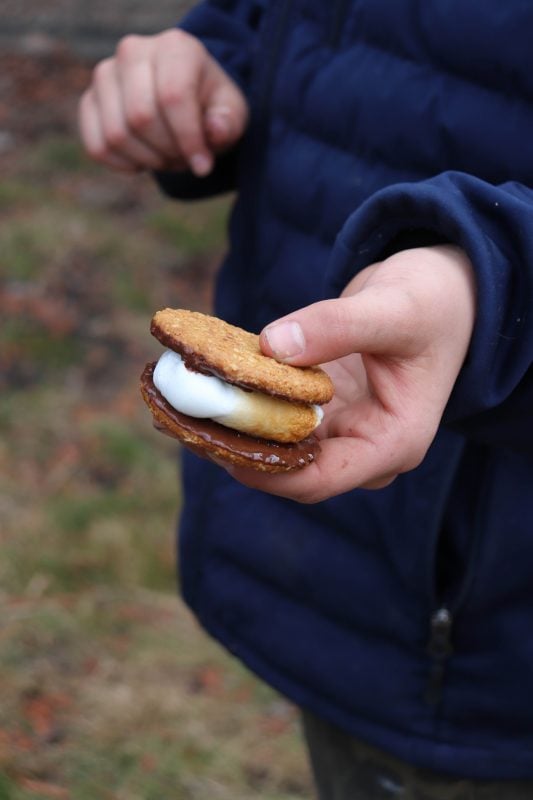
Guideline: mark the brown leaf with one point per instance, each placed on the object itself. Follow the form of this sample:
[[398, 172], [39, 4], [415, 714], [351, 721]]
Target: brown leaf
[[148, 763], [208, 679], [45, 789], [40, 711]]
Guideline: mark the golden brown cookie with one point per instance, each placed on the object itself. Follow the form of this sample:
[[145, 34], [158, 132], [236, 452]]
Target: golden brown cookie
[[208, 344]]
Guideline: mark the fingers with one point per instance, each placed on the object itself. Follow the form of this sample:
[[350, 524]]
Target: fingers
[[203, 108], [413, 303], [407, 322], [161, 102], [177, 94], [93, 138], [122, 138], [226, 110], [342, 465], [141, 114], [331, 329]]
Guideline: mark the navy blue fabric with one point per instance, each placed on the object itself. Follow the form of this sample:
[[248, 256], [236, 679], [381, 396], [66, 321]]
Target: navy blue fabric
[[377, 122]]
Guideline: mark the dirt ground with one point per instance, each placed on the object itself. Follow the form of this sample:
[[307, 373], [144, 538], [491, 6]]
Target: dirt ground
[[89, 29], [108, 688]]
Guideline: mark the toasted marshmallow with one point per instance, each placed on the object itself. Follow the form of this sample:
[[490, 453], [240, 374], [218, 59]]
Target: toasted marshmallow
[[208, 397]]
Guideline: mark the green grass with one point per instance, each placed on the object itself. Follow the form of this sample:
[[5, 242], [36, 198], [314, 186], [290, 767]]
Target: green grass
[[16, 194], [58, 154], [197, 230], [24, 246], [120, 695], [30, 341]]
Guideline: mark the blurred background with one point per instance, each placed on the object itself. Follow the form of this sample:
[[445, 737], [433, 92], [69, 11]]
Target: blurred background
[[107, 687]]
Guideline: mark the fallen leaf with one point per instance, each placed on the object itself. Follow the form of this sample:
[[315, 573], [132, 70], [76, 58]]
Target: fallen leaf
[[45, 789]]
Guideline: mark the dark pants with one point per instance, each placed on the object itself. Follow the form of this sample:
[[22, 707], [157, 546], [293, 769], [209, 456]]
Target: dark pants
[[346, 769]]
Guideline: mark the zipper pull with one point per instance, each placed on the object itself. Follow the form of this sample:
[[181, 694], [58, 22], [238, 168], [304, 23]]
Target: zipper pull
[[440, 649]]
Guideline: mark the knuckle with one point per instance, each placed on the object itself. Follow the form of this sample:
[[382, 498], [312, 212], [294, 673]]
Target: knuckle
[[139, 117], [179, 37], [116, 137], [97, 151], [174, 93], [196, 48], [170, 94], [102, 70], [175, 35], [129, 47], [188, 146]]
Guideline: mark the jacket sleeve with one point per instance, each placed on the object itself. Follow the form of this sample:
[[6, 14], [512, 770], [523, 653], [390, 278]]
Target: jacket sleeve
[[228, 29], [492, 400]]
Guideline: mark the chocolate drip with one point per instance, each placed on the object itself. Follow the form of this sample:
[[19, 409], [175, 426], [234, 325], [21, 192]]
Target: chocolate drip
[[204, 435]]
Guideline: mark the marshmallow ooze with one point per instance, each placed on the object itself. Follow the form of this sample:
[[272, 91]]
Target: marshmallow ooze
[[209, 397]]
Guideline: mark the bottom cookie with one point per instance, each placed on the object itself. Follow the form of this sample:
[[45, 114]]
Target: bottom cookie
[[211, 440]]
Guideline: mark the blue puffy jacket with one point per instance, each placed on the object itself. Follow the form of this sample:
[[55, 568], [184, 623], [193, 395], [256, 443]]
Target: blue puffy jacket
[[405, 615]]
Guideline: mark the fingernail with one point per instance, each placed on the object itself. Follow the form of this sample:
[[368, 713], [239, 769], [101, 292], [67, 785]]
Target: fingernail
[[218, 121], [285, 339], [200, 164]]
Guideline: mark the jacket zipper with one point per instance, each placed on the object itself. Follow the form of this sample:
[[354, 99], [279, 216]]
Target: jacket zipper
[[441, 624], [439, 649]]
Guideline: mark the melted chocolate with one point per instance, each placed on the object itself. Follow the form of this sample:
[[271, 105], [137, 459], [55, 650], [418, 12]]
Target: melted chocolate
[[248, 448]]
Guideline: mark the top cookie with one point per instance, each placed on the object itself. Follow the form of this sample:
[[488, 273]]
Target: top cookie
[[208, 344]]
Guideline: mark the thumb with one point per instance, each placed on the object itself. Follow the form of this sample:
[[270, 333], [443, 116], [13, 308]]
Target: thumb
[[226, 114], [328, 330]]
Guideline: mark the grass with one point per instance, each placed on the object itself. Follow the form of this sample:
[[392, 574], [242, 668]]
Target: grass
[[188, 229], [24, 245], [59, 153], [109, 689], [156, 710]]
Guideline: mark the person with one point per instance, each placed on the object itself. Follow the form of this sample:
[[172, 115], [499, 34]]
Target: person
[[383, 226]]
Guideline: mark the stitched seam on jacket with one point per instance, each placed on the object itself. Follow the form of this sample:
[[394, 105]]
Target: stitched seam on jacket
[[288, 674], [301, 222], [407, 171], [415, 651], [355, 150], [444, 70]]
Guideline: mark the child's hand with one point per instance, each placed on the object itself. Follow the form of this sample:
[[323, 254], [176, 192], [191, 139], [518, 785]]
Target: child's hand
[[162, 102], [395, 342]]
